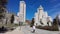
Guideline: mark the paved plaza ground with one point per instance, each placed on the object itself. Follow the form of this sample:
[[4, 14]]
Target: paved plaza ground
[[27, 30]]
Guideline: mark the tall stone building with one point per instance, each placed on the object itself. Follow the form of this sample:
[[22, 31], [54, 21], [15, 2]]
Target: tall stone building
[[22, 11], [8, 17], [41, 17], [16, 19]]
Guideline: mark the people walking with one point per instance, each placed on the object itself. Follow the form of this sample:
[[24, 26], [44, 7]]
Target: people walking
[[33, 29], [20, 25]]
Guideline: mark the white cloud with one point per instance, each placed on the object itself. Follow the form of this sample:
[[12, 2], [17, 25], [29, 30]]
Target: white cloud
[[53, 0], [54, 8], [55, 14]]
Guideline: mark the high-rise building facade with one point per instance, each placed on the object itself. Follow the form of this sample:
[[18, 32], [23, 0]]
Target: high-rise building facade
[[22, 11]]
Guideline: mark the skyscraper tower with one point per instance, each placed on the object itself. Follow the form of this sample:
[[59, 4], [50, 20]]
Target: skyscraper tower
[[22, 11]]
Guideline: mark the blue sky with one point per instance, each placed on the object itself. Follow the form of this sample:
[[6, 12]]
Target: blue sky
[[51, 6]]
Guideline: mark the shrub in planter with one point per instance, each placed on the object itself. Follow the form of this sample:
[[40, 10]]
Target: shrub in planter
[[39, 27], [45, 27]]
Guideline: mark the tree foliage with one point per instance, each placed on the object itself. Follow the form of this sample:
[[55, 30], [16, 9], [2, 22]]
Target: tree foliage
[[3, 2], [2, 8], [55, 23], [12, 18], [32, 22]]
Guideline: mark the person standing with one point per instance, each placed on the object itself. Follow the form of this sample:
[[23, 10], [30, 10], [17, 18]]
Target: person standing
[[20, 25], [33, 29]]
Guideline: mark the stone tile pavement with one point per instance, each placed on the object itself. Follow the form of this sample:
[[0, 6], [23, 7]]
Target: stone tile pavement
[[16, 31], [27, 30]]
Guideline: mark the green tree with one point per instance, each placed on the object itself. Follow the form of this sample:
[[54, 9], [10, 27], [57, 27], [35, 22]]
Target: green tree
[[32, 22], [2, 8], [55, 24], [12, 19], [3, 4]]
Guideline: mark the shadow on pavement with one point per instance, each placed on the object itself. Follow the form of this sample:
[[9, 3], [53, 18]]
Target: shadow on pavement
[[3, 29]]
